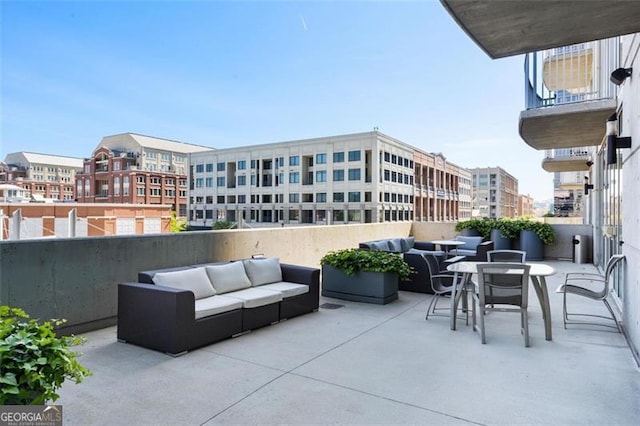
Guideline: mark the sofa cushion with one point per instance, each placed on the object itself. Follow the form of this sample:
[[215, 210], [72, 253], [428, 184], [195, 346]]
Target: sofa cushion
[[470, 243], [194, 279], [463, 252], [228, 277], [379, 245], [407, 243], [216, 305], [287, 289], [254, 297], [263, 271], [395, 245]]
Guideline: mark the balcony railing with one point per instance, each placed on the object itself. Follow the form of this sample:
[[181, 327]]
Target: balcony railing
[[570, 74]]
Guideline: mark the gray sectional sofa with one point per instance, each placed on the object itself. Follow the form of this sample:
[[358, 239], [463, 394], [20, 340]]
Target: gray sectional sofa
[[175, 310], [411, 250]]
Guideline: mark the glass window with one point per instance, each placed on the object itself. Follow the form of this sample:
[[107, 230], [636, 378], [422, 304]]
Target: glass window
[[338, 197], [354, 174], [294, 177], [321, 176], [209, 167], [220, 167], [354, 155], [321, 197], [294, 198], [242, 199], [387, 175], [199, 168], [242, 180], [220, 181], [242, 165], [338, 157], [209, 182], [338, 175], [294, 160], [321, 158], [354, 197], [199, 182]]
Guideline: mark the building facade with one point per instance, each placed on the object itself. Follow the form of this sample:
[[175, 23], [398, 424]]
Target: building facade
[[525, 205], [442, 189], [62, 220], [42, 176], [357, 178], [494, 193], [137, 169]]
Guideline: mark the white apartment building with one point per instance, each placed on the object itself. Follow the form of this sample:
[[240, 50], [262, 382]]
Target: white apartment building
[[356, 178]]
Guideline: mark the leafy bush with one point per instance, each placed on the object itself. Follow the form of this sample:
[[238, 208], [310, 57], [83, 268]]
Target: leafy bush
[[483, 226], [352, 260], [177, 225], [34, 362], [223, 224]]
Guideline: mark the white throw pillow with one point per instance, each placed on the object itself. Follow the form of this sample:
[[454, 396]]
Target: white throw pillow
[[194, 279], [263, 271], [228, 277]]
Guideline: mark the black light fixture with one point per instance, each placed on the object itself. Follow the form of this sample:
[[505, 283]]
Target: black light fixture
[[619, 75], [587, 185], [613, 141], [589, 163]]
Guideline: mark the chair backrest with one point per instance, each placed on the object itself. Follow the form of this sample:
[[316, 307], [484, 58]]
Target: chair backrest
[[503, 283], [517, 256], [432, 263], [611, 266]]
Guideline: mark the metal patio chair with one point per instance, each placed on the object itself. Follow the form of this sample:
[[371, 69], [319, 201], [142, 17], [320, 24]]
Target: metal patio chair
[[592, 286]]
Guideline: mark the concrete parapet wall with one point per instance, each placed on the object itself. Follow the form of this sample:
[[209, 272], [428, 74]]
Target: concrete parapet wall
[[76, 278]]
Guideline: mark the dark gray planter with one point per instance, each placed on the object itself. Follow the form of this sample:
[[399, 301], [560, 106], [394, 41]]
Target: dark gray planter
[[370, 287], [470, 233], [532, 244], [499, 242]]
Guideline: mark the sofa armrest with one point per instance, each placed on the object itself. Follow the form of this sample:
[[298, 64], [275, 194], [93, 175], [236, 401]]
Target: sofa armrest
[[301, 275], [155, 316], [482, 249], [424, 245]]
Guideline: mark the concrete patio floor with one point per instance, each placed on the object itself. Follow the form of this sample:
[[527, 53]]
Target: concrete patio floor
[[369, 364]]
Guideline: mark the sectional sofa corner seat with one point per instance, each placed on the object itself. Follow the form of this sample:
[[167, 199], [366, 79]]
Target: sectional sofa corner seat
[[474, 249], [174, 310], [412, 252]]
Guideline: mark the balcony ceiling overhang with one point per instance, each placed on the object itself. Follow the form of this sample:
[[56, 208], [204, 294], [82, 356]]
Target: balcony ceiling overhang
[[507, 27], [566, 125], [573, 164]]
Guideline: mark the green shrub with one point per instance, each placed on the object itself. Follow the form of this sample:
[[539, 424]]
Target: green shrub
[[34, 361], [482, 226], [352, 260]]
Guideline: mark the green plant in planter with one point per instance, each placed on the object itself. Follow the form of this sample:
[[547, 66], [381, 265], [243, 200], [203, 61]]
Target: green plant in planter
[[509, 228], [483, 226], [543, 230], [34, 361], [352, 260]]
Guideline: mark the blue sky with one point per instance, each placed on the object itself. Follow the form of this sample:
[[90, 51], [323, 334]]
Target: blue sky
[[227, 74]]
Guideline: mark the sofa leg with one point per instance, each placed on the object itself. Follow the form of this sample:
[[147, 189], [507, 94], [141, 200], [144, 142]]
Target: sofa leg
[[176, 355]]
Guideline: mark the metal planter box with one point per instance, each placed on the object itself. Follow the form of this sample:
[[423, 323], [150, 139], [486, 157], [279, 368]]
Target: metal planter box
[[370, 287]]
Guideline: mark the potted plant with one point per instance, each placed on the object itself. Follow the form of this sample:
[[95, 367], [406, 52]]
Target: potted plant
[[34, 361], [480, 227], [503, 233], [533, 235], [363, 275]]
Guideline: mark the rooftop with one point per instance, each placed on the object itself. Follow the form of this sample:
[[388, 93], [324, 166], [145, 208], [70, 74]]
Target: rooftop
[[363, 363]]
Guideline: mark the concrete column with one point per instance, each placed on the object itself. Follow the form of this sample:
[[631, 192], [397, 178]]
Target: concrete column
[[14, 227], [72, 218]]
